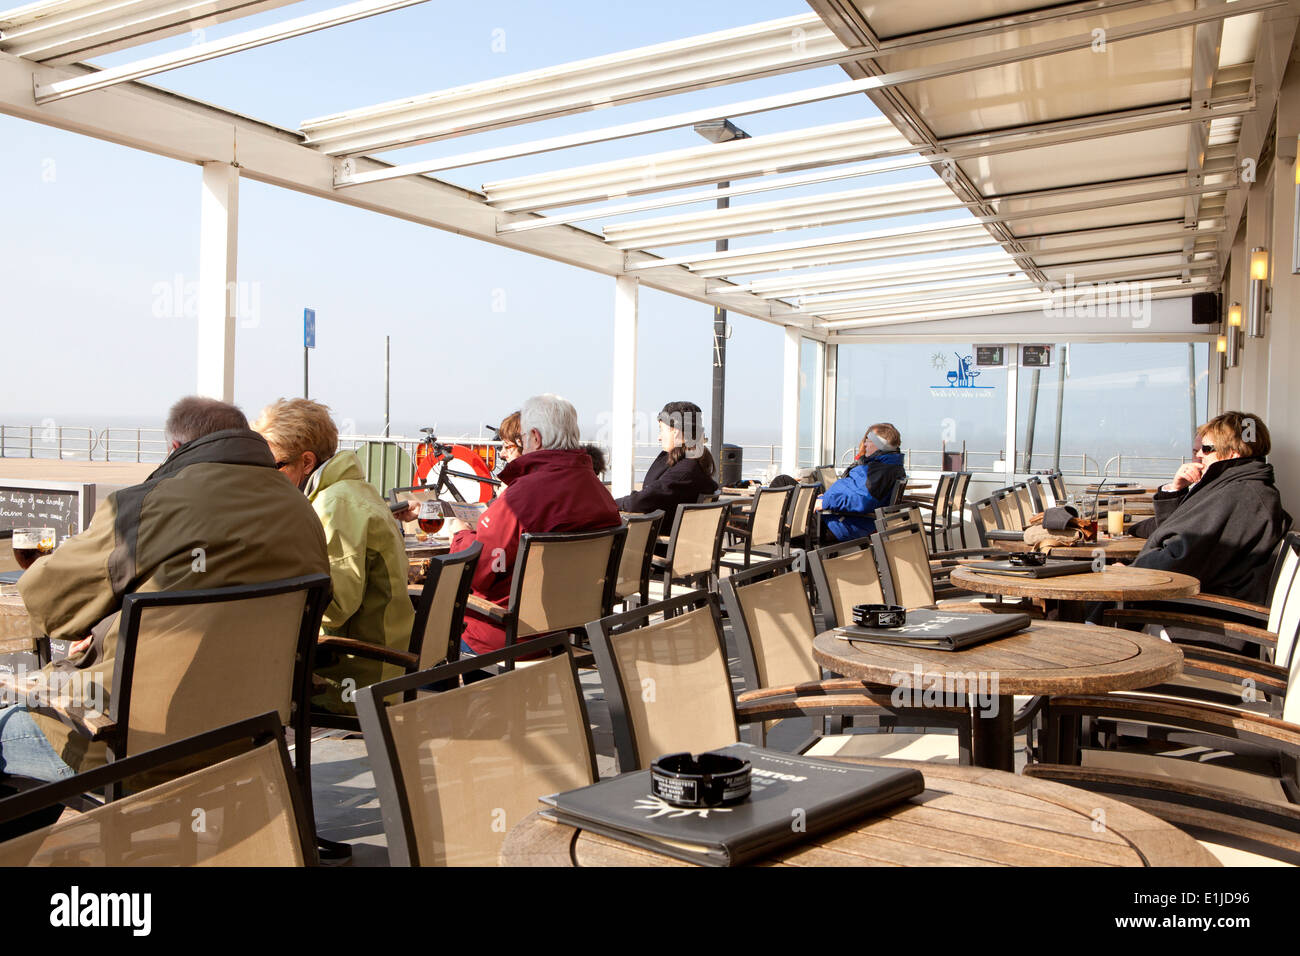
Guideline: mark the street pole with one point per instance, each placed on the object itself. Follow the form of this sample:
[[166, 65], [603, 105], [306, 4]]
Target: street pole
[[387, 383], [1060, 402]]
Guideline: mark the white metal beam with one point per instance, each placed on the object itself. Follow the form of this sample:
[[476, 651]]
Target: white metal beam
[[680, 168], [779, 101], [218, 274], [201, 52], [623, 407], [56, 32]]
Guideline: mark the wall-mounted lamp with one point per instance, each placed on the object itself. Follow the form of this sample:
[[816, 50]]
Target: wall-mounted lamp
[[1234, 333], [1295, 218], [1221, 346], [1258, 290]]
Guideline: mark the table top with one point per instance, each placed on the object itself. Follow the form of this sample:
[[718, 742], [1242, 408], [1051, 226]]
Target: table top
[[1049, 657], [967, 816], [1112, 490], [1117, 549], [1116, 583]]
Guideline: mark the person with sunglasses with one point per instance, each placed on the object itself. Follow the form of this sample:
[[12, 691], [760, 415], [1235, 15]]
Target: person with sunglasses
[[1220, 519]]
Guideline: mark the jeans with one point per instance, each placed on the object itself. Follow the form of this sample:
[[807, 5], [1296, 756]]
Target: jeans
[[24, 751]]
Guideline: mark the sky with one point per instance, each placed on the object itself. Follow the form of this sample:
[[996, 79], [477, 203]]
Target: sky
[[99, 254]]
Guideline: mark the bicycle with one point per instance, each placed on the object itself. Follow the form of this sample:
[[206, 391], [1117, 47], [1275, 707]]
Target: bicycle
[[434, 471]]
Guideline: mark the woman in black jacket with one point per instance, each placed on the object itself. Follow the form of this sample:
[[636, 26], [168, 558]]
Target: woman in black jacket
[[1220, 519], [684, 469]]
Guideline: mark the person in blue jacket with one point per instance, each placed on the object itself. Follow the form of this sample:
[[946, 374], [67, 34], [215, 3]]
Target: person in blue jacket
[[850, 504]]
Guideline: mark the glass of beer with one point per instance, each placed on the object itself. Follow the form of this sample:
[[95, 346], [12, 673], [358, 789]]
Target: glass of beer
[[1115, 517], [430, 518], [32, 543]]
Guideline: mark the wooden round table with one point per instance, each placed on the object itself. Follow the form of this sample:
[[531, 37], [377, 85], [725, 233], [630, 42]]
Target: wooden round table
[[1048, 657], [966, 816], [1071, 593]]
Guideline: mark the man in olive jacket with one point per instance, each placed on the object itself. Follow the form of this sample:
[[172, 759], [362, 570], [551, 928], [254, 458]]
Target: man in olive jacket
[[216, 513]]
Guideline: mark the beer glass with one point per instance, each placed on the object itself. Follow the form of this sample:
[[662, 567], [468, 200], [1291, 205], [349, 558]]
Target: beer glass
[[1115, 517], [430, 517], [32, 543]]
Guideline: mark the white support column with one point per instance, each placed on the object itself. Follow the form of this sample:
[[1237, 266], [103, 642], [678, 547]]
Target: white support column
[[790, 403], [218, 248], [818, 387], [623, 425], [1281, 408], [830, 396], [1013, 378]]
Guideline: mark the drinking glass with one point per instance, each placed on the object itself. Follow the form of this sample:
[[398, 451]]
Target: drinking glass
[[430, 517], [1115, 517], [31, 544]]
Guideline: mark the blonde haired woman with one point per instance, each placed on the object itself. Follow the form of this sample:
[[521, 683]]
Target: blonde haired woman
[[368, 565]]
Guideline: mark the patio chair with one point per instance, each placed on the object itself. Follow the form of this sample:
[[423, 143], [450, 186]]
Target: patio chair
[[1218, 772], [801, 528], [227, 797], [635, 564], [1059, 492], [937, 505], [664, 671], [764, 528], [996, 517], [694, 546], [1037, 492], [562, 581], [827, 475], [908, 579], [844, 575], [190, 661], [1025, 498], [435, 633], [456, 769], [955, 517]]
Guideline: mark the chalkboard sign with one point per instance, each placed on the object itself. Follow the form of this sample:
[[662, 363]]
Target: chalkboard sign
[[65, 506]]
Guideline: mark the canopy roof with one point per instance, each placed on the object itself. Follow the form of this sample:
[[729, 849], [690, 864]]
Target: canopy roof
[[1038, 145]]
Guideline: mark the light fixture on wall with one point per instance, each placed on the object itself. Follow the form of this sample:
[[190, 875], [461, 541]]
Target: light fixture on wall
[[1234, 334], [1258, 290], [1221, 346], [1295, 218]]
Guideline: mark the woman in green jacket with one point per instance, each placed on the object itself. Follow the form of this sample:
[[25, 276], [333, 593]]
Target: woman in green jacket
[[368, 564]]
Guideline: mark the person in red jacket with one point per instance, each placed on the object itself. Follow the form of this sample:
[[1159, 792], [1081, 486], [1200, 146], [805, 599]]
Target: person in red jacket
[[550, 487]]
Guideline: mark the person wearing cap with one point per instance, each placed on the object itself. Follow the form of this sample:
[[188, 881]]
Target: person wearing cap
[[683, 470], [849, 505]]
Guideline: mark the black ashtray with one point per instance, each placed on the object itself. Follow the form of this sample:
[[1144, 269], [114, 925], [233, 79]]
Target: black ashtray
[[1027, 559], [879, 615], [709, 780]]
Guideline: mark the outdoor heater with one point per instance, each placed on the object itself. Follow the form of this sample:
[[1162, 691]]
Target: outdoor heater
[[1234, 334], [1258, 290]]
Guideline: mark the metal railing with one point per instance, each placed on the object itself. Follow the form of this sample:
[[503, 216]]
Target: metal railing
[[47, 441], [133, 444]]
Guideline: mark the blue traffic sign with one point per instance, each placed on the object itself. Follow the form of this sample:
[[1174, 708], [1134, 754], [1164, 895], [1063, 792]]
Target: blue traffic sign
[[309, 328]]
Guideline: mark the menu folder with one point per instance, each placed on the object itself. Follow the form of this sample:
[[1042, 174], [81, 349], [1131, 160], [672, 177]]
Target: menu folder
[[793, 799], [938, 630], [1052, 569]]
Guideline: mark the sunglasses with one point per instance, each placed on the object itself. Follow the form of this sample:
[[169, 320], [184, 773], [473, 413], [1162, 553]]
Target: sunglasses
[[1207, 449]]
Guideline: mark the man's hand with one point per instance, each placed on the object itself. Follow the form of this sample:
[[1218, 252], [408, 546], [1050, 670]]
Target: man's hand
[[455, 526], [81, 646], [410, 513], [818, 505], [1188, 474]]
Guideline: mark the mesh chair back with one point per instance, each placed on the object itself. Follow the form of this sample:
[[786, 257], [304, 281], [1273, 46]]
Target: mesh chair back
[[696, 539], [900, 486], [773, 624], [456, 770], [1026, 501], [985, 514], [1058, 487], [638, 551], [248, 802], [827, 475], [440, 613], [767, 525], [191, 661], [845, 575], [667, 682], [1034, 484], [563, 581], [1008, 510], [800, 513], [899, 516], [904, 567], [1285, 581]]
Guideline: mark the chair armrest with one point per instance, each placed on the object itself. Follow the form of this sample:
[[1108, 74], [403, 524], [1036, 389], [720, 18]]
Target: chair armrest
[[1212, 605], [1210, 625], [35, 696], [996, 534], [1234, 664], [374, 652], [839, 697], [968, 553], [486, 608], [1226, 722]]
